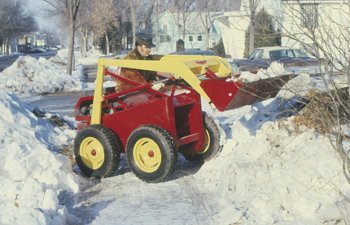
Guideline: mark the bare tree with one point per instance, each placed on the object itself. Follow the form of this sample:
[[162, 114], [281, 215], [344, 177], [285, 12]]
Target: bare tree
[[68, 11], [103, 16], [14, 22], [133, 7], [181, 14], [206, 9], [150, 7], [158, 7], [325, 34], [138, 13], [252, 9], [84, 26]]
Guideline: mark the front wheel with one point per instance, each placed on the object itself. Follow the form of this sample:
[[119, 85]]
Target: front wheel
[[97, 151], [212, 142], [151, 153]]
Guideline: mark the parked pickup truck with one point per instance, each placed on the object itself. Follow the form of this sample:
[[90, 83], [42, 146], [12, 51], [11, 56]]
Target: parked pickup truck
[[295, 61]]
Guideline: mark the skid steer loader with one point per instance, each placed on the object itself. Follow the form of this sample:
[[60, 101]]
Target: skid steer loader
[[153, 126]]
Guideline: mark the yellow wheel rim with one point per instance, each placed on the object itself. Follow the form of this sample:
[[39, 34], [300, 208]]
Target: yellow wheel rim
[[92, 153], [147, 155], [206, 141]]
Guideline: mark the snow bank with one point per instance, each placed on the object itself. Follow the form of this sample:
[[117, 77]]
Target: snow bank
[[29, 76], [275, 69], [31, 176], [91, 57], [268, 174]]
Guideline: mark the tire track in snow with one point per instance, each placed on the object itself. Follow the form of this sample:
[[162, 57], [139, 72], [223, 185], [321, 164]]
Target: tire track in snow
[[198, 199], [124, 199]]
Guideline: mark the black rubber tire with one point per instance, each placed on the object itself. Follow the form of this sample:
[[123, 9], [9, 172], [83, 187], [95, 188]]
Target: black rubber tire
[[111, 149], [168, 153], [214, 145]]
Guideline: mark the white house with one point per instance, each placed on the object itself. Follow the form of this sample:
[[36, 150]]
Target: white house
[[233, 25], [328, 21], [331, 18], [171, 27]]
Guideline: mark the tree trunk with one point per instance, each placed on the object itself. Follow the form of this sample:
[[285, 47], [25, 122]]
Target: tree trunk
[[184, 26], [133, 21], [70, 63], [107, 43], [157, 32], [73, 7], [206, 22], [252, 8], [252, 33], [207, 37], [7, 49], [83, 45]]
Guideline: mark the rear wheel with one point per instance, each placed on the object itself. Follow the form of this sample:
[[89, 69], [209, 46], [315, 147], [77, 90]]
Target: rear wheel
[[212, 142], [97, 151], [151, 153]]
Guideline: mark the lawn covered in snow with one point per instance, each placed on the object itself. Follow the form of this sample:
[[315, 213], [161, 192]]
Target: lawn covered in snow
[[267, 172]]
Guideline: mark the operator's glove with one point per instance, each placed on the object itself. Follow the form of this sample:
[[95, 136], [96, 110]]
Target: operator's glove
[[158, 86]]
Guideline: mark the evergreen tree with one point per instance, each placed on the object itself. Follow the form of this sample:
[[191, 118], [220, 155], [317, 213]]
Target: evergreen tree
[[114, 37], [265, 33], [219, 49]]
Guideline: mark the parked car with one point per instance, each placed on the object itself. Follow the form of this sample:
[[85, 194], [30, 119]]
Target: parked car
[[295, 61]]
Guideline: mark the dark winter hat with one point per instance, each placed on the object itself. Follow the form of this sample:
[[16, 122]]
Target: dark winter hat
[[144, 38]]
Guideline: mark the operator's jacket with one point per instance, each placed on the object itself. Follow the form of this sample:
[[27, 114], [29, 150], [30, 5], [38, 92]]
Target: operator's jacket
[[139, 76]]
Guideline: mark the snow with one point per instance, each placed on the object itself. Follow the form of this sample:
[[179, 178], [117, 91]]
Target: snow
[[42, 75], [276, 69], [267, 172], [32, 174]]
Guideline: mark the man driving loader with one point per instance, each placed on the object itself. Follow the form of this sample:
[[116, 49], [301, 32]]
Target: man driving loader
[[142, 50]]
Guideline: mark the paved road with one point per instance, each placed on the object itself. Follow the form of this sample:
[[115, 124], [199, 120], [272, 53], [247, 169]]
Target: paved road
[[61, 103]]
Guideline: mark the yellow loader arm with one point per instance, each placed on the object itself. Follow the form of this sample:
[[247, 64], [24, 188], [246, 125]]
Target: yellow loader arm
[[182, 67], [225, 94]]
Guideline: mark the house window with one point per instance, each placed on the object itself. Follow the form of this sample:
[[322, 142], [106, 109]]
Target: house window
[[309, 15], [190, 38], [199, 38]]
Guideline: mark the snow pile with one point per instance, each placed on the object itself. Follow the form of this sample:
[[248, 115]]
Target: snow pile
[[303, 84], [29, 76], [268, 174], [31, 176], [275, 69], [300, 86], [61, 58], [91, 57]]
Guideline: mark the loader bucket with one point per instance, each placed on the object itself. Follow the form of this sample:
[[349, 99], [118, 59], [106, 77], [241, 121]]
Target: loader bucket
[[226, 94]]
